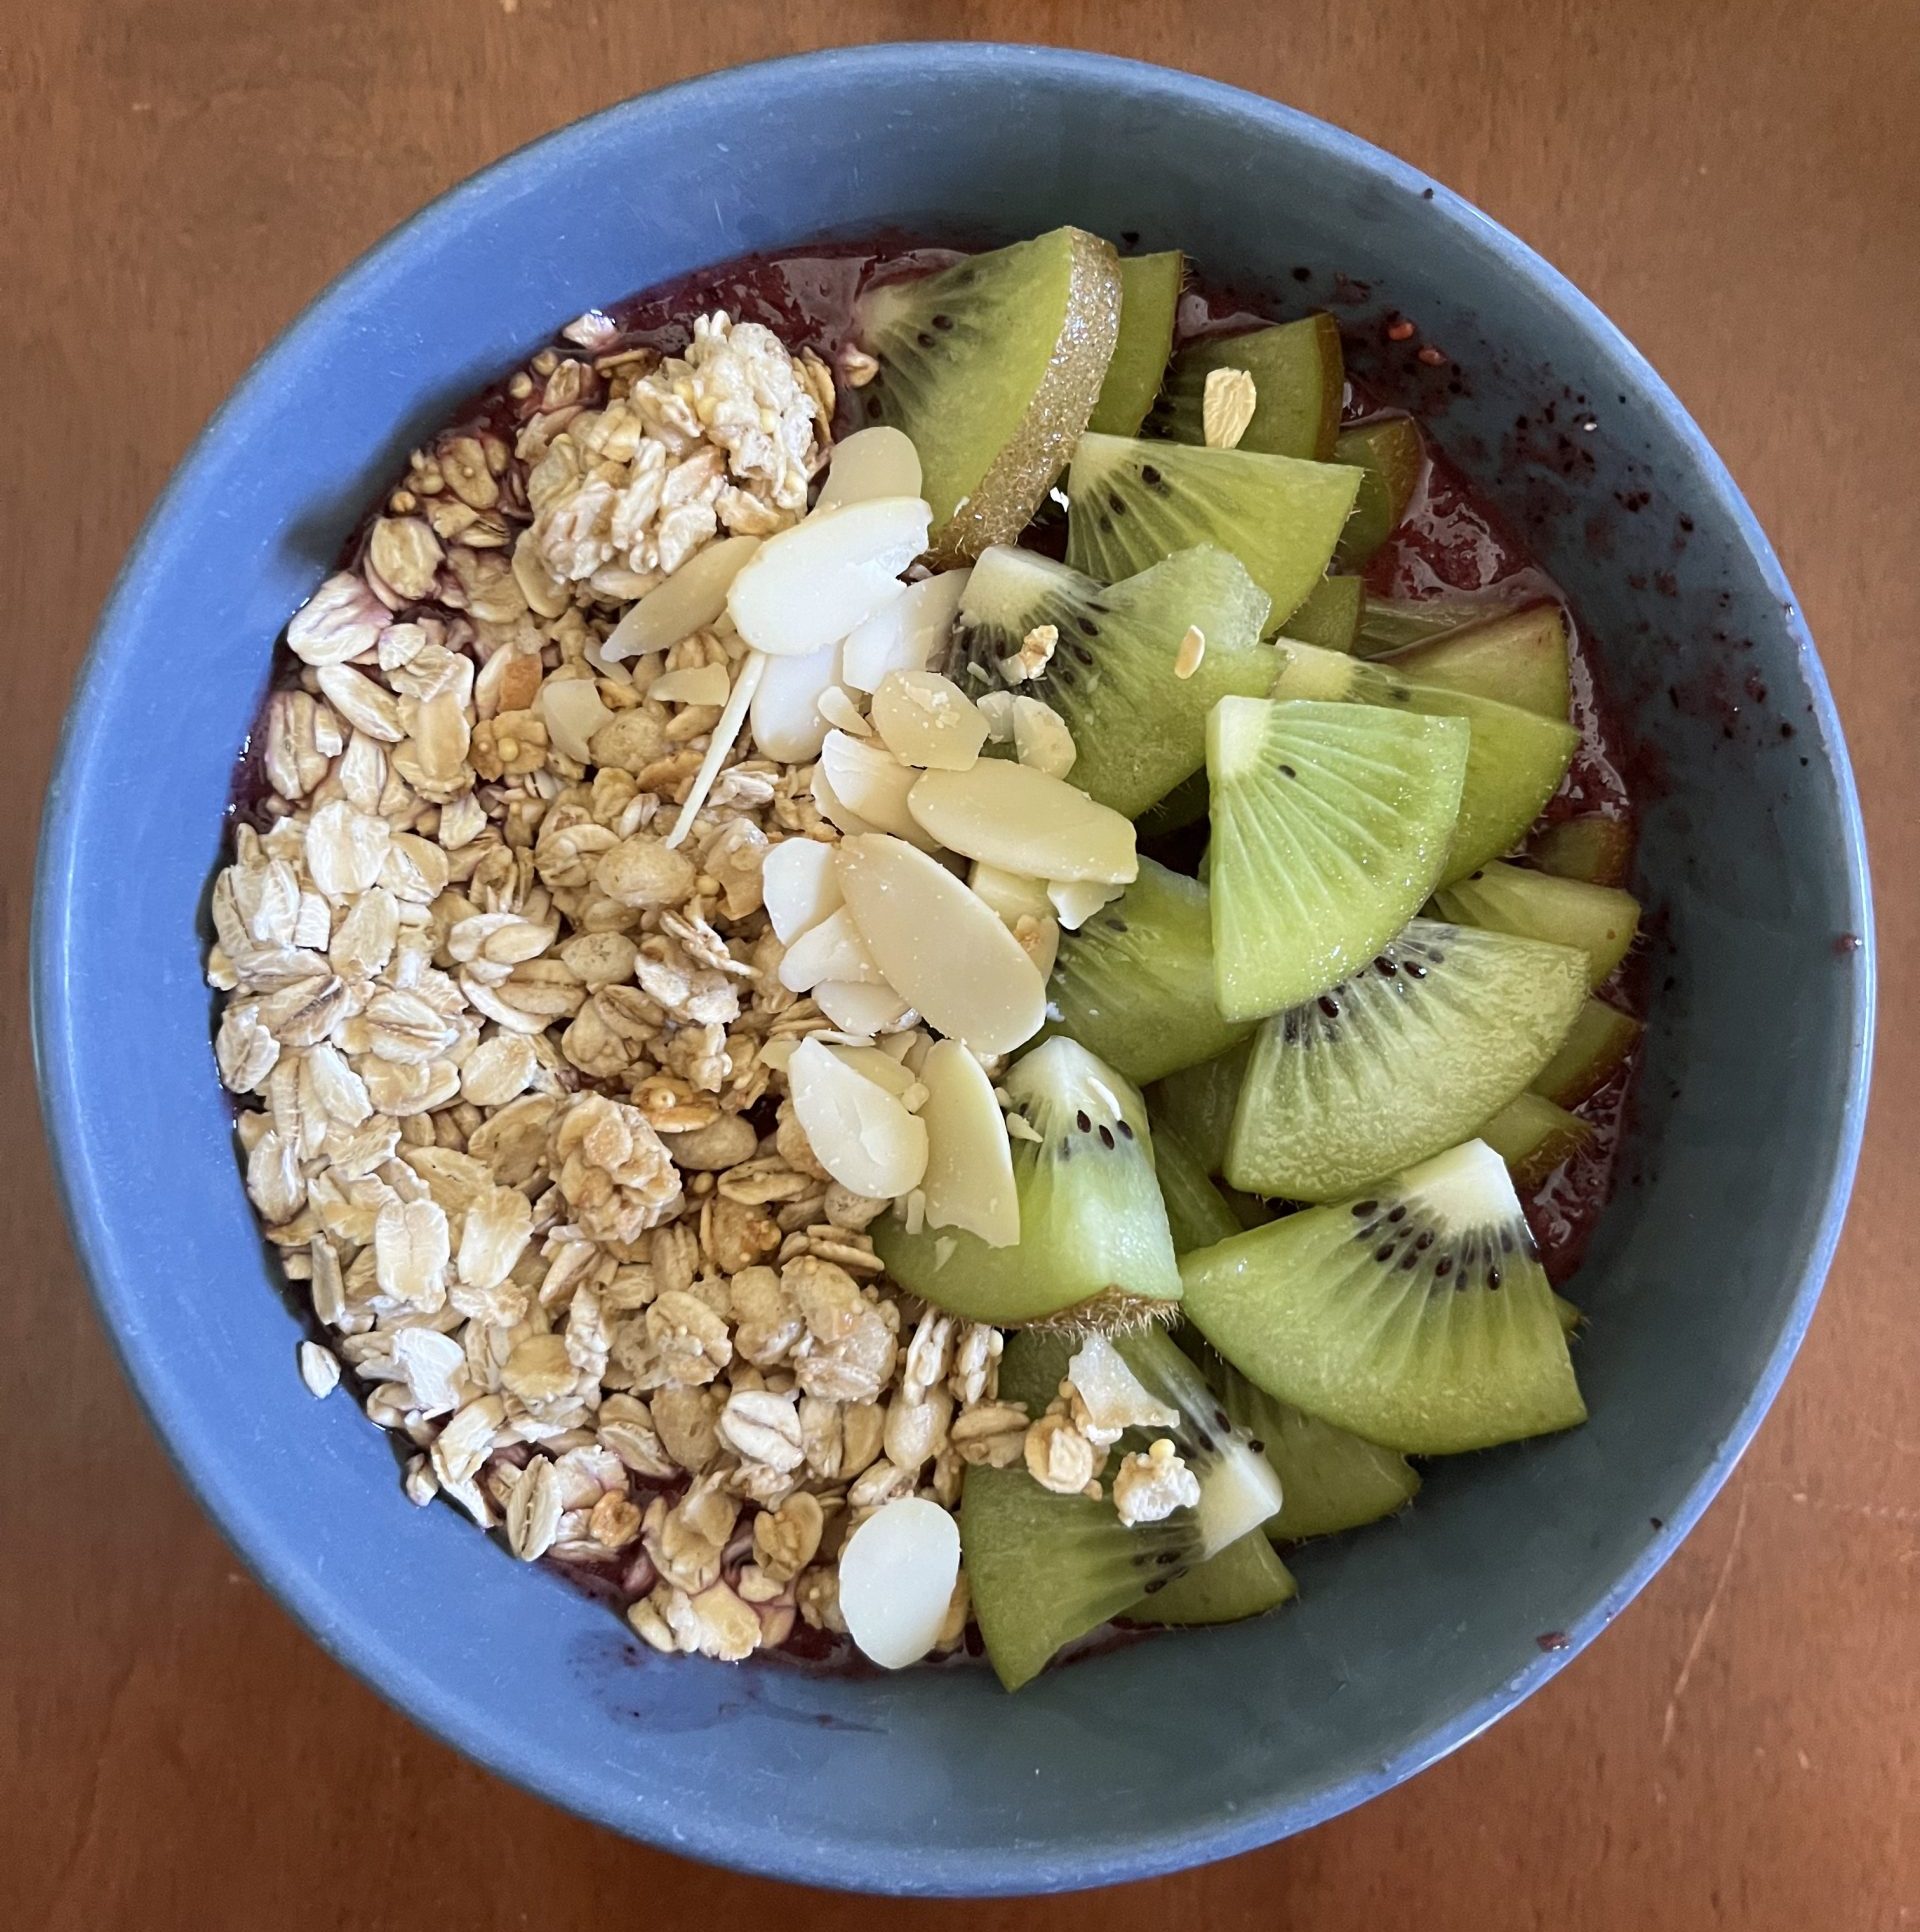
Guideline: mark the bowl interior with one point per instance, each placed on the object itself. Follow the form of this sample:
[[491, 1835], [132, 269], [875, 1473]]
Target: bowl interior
[[1407, 1639]]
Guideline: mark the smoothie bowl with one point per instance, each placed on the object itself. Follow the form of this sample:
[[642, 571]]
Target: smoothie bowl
[[974, 895]]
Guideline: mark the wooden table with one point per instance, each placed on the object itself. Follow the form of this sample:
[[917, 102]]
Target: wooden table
[[1738, 183]]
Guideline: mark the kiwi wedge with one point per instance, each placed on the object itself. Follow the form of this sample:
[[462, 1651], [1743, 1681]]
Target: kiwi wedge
[[1598, 850], [1132, 503], [1094, 1250], [1417, 1316], [1597, 1043], [1138, 730], [1518, 659], [1600, 920], [1046, 1569], [1135, 983], [1246, 1579], [1330, 1479], [1328, 822], [1401, 1060], [1391, 455], [1299, 376], [1149, 305], [1515, 759], [992, 368], [1330, 615], [1533, 1137], [1392, 623], [1197, 1104], [1197, 1212]]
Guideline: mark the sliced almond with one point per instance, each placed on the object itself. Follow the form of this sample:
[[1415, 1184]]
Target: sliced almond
[[870, 463], [1039, 937], [833, 807], [997, 708], [861, 1134], [837, 706], [572, 712], [939, 946], [799, 886], [871, 782], [720, 743], [897, 1577], [867, 1010], [875, 1064], [1226, 407], [907, 634], [691, 599], [925, 719], [786, 718], [969, 1180], [833, 949], [1010, 894], [1041, 740], [1075, 901], [1024, 821], [811, 585], [698, 684]]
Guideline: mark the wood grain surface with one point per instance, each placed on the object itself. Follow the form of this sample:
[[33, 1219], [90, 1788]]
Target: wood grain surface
[[1738, 183]]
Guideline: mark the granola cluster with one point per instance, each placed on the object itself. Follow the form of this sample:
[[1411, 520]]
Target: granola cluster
[[515, 1110]]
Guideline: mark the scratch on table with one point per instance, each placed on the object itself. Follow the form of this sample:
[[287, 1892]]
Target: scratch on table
[[1705, 1624]]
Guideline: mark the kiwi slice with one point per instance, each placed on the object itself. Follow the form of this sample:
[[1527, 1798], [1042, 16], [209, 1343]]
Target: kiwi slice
[[1137, 729], [1391, 455], [1149, 304], [1519, 659], [1135, 983], [1094, 1250], [1133, 503], [1401, 1060], [1045, 1569], [1533, 1137], [1197, 1212], [1392, 623], [1597, 1043], [1246, 1579], [1418, 1316], [1600, 920], [1330, 1479], [1515, 760], [1328, 820], [992, 368], [1299, 377], [1185, 805], [1330, 616], [1598, 850], [1197, 1104]]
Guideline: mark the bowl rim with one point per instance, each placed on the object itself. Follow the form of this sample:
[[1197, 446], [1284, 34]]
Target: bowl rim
[[218, 1484]]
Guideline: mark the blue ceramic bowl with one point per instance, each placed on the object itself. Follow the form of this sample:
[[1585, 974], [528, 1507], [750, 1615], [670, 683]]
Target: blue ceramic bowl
[[1408, 1639]]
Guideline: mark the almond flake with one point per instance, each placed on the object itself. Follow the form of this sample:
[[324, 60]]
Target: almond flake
[[720, 744], [1226, 407], [927, 720], [1011, 894], [940, 947], [691, 599], [1041, 740], [997, 708], [810, 585], [907, 634], [840, 711], [1036, 649], [833, 949], [870, 463], [861, 1134], [1076, 901], [857, 1007], [873, 784], [799, 886], [969, 1181], [698, 684], [1024, 821], [1193, 647], [572, 712], [897, 1577], [873, 1063], [1039, 939], [787, 720]]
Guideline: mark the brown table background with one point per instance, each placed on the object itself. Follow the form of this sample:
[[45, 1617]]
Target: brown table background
[[1738, 184]]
